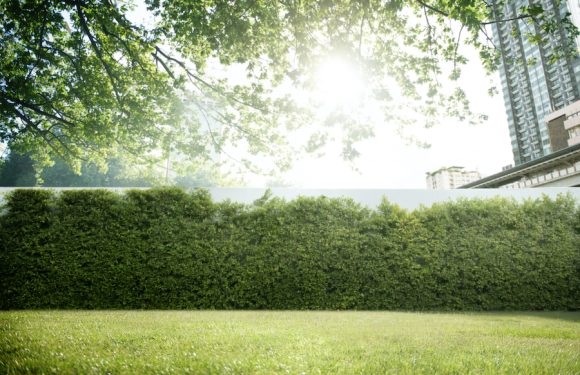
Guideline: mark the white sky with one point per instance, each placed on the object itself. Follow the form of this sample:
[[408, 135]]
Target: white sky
[[389, 162]]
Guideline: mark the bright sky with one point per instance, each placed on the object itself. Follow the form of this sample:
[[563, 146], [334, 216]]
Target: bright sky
[[389, 162]]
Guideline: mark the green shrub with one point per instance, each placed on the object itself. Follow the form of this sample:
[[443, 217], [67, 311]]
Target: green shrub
[[168, 249]]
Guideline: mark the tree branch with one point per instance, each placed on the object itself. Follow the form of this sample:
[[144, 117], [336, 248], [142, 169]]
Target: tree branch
[[520, 17], [40, 40], [34, 127], [219, 147], [445, 14], [457, 47], [431, 42], [123, 42], [39, 110], [241, 129], [432, 8], [165, 66], [360, 38], [87, 31], [482, 28], [120, 18], [192, 77]]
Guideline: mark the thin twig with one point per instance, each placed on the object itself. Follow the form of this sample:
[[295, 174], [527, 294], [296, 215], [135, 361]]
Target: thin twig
[[431, 43], [520, 17], [165, 66], [192, 76], [360, 38], [482, 28], [219, 147], [432, 8], [457, 47]]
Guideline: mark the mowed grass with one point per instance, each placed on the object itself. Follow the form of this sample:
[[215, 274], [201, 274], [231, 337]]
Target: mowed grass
[[311, 342]]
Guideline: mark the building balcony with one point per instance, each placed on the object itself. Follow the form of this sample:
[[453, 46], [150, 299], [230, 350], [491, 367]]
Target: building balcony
[[571, 122]]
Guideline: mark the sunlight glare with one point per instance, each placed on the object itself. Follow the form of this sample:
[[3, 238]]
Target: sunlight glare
[[338, 83]]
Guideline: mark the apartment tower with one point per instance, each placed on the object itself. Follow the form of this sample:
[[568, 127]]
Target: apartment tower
[[536, 78]]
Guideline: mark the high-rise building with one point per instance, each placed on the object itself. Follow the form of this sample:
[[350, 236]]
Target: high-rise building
[[450, 178], [536, 80], [561, 168]]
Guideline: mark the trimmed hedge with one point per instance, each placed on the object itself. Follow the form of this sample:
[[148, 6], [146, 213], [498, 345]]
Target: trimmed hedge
[[168, 249]]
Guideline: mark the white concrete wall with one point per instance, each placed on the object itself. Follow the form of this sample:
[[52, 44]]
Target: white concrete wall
[[409, 199]]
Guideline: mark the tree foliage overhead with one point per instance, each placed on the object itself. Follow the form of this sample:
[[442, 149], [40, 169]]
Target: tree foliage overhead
[[81, 79]]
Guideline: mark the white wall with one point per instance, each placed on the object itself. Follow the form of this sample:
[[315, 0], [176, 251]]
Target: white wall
[[409, 198]]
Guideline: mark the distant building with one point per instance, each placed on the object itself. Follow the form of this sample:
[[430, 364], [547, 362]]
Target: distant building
[[450, 178], [535, 82]]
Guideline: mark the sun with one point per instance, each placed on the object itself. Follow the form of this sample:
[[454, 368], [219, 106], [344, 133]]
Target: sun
[[338, 83]]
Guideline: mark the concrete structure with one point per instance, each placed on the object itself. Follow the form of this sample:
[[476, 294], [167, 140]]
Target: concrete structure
[[450, 178], [559, 169], [410, 199], [566, 121], [558, 134], [534, 81]]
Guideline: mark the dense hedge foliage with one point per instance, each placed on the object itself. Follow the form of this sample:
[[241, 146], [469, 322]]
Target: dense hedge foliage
[[165, 248]]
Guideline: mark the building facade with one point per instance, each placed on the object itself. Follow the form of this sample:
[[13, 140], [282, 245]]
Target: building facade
[[558, 169], [450, 178], [536, 80], [561, 168], [565, 125]]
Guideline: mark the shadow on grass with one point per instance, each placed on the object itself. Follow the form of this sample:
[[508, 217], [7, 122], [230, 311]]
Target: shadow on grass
[[569, 316]]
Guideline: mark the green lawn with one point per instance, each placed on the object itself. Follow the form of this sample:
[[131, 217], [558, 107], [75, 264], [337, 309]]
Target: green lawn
[[288, 342]]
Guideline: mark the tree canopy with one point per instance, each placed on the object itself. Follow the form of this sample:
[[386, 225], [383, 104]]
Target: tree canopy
[[83, 79], [18, 170]]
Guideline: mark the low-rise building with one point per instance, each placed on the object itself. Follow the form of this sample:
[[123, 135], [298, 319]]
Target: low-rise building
[[450, 178]]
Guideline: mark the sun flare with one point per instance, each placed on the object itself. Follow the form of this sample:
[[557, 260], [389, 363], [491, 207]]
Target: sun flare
[[338, 83]]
